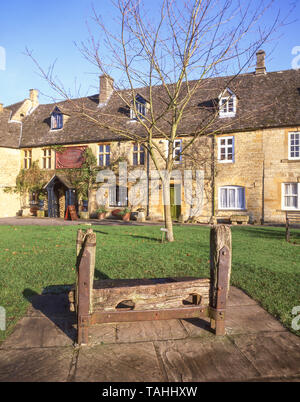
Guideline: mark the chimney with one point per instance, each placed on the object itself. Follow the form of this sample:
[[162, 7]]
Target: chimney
[[260, 62], [106, 88], [34, 97], [1, 107]]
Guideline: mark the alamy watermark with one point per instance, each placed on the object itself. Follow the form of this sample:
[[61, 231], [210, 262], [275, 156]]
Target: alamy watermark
[[2, 319], [296, 320], [296, 60], [2, 58], [145, 189]]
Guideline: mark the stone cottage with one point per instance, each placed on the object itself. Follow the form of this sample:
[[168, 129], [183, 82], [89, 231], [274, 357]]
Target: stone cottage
[[248, 150]]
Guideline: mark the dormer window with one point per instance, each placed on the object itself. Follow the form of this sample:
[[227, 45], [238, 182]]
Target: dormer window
[[140, 106], [56, 119], [227, 104]]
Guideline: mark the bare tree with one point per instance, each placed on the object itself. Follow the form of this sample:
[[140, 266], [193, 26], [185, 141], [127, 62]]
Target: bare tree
[[167, 52]]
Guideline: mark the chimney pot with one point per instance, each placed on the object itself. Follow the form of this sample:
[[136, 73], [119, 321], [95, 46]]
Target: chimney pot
[[106, 88], [1, 107], [260, 62]]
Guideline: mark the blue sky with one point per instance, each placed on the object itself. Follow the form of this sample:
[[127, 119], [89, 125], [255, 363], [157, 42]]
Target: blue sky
[[49, 29]]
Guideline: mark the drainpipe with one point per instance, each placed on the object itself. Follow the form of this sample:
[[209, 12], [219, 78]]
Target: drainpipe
[[213, 176], [263, 194], [148, 184]]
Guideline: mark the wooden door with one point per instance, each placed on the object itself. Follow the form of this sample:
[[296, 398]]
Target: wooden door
[[175, 209]]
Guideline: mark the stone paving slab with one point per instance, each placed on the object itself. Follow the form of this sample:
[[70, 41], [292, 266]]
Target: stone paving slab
[[272, 354], [118, 363], [103, 333], [250, 319], [145, 331], [38, 332], [237, 297], [197, 327], [35, 365], [200, 359], [257, 347]]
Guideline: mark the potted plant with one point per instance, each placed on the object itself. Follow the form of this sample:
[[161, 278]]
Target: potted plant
[[125, 213], [101, 212], [41, 201]]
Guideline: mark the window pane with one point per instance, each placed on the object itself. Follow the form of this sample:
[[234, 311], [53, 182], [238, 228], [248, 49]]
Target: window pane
[[122, 201], [135, 158], [142, 158], [240, 198], [107, 159], [291, 201], [231, 200], [112, 196], [223, 195]]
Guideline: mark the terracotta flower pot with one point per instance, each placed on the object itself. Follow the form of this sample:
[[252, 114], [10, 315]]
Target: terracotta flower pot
[[101, 215], [126, 217]]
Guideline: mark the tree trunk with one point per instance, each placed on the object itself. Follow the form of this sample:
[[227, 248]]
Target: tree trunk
[[167, 211]]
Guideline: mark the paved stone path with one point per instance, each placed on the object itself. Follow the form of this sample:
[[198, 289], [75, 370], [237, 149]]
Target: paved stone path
[[27, 221], [256, 348]]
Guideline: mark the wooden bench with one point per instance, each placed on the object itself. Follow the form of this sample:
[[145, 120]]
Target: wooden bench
[[291, 217], [126, 300]]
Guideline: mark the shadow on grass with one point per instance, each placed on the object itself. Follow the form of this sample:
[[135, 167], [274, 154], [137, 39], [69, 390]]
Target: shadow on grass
[[134, 236], [156, 240], [262, 232]]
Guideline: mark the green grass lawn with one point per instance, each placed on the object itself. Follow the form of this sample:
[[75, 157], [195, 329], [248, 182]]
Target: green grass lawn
[[35, 258]]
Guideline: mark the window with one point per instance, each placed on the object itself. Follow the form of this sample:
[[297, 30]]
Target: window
[[27, 158], [140, 105], [118, 196], [56, 120], [33, 199], [104, 155], [294, 145], [226, 149], [290, 196], [232, 197], [47, 159], [227, 104], [177, 148], [138, 155]]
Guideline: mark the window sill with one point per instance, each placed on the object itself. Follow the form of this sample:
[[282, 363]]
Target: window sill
[[225, 161], [222, 116], [224, 209], [290, 160]]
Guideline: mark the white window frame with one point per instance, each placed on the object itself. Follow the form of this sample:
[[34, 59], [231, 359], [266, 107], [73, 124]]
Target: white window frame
[[54, 116], [226, 146], [290, 145], [104, 154], [283, 195], [224, 107], [140, 107], [220, 207]]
